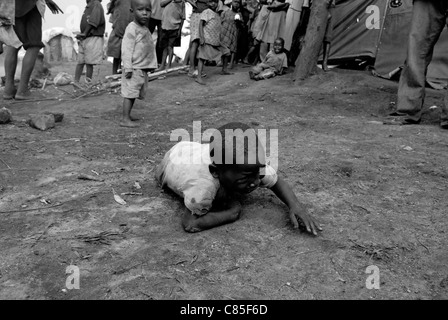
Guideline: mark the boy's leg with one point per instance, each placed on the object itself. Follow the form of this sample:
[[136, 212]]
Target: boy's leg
[[232, 60], [170, 56], [225, 64], [10, 71], [127, 107], [89, 72], [164, 55], [200, 67], [193, 51], [78, 71], [116, 65]]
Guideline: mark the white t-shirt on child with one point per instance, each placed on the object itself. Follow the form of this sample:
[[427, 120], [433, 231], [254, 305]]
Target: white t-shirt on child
[[185, 170]]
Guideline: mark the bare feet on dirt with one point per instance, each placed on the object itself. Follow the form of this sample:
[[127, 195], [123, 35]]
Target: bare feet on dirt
[[128, 124]]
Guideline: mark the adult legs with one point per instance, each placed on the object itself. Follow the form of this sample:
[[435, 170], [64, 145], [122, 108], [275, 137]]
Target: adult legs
[[10, 71], [428, 21]]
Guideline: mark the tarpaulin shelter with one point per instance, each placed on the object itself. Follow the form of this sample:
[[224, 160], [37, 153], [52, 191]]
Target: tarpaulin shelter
[[377, 29]]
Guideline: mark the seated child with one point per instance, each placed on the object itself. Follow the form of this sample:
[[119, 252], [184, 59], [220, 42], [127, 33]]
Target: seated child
[[275, 63], [139, 57], [210, 185]]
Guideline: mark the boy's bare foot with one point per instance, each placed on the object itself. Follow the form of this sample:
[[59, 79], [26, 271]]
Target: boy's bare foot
[[128, 124], [23, 96], [134, 118], [199, 80], [225, 72], [9, 94]]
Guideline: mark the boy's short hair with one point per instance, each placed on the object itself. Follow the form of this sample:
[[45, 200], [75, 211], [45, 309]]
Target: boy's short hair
[[133, 3], [281, 40], [236, 143]]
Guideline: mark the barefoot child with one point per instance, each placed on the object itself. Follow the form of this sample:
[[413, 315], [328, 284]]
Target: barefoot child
[[91, 41], [211, 176], [139, 56], [275, 63], [231, 22], [121, 16], [210, 48], [173, 17]]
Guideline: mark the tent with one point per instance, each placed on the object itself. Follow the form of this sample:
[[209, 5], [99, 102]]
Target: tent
[[60, 45], [377, 29]]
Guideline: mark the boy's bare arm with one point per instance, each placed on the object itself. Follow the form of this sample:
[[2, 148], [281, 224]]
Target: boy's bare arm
[[193, 223], [201, 32], [296, 210]]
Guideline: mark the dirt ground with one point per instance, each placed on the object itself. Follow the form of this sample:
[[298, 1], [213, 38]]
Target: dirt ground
[[379, 191]]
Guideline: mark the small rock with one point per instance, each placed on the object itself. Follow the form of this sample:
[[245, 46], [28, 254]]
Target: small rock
[[5, 115], [177, 102], [57, 116], [42, 121], [64, 290], [407, 148]]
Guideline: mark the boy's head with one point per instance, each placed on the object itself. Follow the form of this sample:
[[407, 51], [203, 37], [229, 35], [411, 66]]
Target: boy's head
[[237, 156], [141, 10], [236, 4], [212, 4], [279, 43]]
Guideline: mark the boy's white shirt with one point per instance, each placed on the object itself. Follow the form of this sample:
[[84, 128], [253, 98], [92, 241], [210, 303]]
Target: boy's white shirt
[[185, 170]]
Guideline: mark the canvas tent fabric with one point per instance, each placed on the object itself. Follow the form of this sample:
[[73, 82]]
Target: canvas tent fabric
[[374, 28]]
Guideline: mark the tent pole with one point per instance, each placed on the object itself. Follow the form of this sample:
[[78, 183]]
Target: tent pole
[[381, 28]]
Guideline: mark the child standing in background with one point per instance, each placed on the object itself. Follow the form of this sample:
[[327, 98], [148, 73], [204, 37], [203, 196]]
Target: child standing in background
[[173, 17], [231, 22], [210, 48], [121, 16], [91, 41], [139, 57]]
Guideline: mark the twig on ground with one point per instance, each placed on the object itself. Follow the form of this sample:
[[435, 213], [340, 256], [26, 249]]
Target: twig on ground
[[422, 244], [69, 93], [33, 209], [145, 294], [5, 164], [41, 235], [83, 176]]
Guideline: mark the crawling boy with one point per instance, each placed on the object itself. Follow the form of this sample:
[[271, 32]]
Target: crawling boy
[[275, 63], [211, 176]]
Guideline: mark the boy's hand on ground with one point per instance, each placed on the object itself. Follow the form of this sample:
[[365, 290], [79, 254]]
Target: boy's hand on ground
[[128, 74], [300, 217], [54, 8]]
